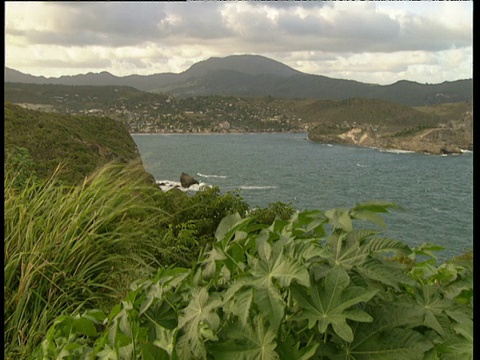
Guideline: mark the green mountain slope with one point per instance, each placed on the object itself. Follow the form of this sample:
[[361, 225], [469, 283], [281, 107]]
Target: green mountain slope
[[82, 143]]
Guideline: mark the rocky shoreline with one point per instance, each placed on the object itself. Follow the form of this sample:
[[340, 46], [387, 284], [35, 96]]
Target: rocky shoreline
[[437, 141]]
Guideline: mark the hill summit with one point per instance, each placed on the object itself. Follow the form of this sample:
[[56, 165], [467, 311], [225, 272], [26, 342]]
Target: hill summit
[[245, 64]]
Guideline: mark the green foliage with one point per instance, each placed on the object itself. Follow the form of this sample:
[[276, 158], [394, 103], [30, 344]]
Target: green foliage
[[289, 290], [191, 222], [81, 143], [376, 112], [18, 161], [71, 247], [273, 211]]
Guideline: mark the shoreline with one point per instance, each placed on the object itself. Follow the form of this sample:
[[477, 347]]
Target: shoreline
[[220, 133], [399, 150]]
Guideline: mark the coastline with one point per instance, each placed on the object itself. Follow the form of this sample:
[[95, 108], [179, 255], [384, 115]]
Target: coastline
[[395, 146]]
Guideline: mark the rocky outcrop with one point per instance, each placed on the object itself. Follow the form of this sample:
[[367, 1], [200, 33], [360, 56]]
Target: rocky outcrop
[[439, 141], [442, 129], [186, 180]]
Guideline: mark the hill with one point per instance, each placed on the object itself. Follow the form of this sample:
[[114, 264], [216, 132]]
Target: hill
[[82, 143], [377, 122], [253, 75], [440, 129]]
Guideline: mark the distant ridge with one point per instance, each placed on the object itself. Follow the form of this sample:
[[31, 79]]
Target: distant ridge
[[255, 75]]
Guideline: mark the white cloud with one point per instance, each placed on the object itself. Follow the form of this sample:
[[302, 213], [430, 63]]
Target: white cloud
[[367, 41]]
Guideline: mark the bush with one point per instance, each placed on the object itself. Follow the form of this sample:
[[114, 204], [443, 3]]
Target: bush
[[273, 211], [192, 221]]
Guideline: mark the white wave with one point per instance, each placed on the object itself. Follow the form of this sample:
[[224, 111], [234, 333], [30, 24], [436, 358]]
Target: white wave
[[330, 145], [397, 151], [361, 165], [212, 176], [166, 185], [465, 151], [247, 187]]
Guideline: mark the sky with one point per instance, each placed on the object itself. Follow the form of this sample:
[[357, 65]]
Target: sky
[[378, 42]]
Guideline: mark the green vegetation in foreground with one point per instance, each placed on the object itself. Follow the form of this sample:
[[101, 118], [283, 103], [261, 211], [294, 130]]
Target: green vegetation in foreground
[[287, 291], [71, 247], [291, 289], [68, 248]]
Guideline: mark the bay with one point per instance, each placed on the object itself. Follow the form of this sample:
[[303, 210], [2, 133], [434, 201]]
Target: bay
[[436, 192]]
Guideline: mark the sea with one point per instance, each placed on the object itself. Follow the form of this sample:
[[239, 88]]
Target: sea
[[434, 191]]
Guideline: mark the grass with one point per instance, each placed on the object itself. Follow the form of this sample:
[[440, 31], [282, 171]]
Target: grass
[[71, 247]]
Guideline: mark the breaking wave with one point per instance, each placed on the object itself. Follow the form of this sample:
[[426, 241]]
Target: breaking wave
[[212, 176], [396, 151], [247, 187], [166, 185]]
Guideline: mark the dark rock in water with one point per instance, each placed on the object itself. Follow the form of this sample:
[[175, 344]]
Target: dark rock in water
[[187, 181]]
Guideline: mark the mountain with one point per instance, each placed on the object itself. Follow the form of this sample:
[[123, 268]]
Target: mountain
[[254, 75], [245, 64]]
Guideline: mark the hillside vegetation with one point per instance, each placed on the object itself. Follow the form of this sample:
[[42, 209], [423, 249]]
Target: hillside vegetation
[[82, 143], [374, 122], [440, 129]]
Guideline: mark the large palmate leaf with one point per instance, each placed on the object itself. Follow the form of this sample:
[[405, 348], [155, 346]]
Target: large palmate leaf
[[368, 211], [198, 321], [271, 272], [330, 302], [288, 349], [358, 251], [340, 219], [384, 272], [229, 225], [460, 344], [307, 224], [238, 303], [345, 249], [440, 314], [388, 336], [250, 342], [394, 344]]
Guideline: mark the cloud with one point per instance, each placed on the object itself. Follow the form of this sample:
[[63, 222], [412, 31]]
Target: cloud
[[312, 36], [312, 25], [118, 24]]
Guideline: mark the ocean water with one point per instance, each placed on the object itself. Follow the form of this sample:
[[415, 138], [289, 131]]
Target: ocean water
[[436, 192]]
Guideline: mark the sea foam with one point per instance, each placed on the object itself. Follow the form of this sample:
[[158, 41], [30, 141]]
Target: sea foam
[[212, 176], [166, 185]]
